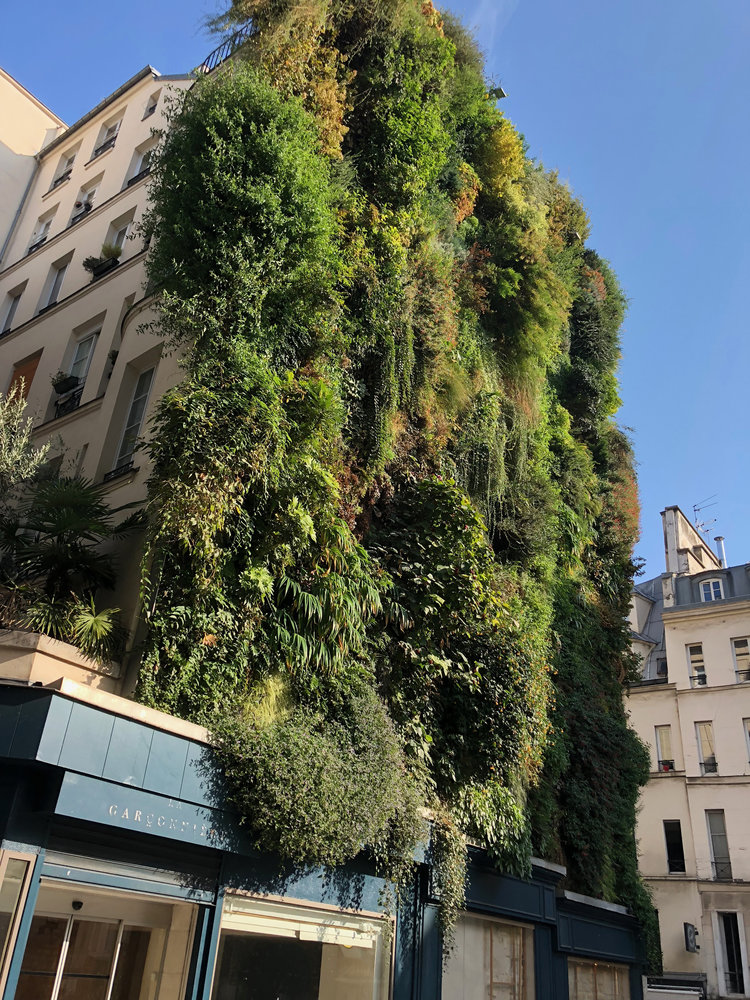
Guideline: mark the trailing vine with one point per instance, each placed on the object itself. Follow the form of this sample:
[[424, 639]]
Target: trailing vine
[[390, 478]]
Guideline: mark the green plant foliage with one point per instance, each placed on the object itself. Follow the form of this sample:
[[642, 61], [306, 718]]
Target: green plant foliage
[[52, 539], [391, 515], [20, 461]]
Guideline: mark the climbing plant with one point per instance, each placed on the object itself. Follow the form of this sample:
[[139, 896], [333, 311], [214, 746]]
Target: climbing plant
[[391, 514]]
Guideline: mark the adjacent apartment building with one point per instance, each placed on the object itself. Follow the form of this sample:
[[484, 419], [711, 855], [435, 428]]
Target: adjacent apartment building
[[691, 626], [123, 875]]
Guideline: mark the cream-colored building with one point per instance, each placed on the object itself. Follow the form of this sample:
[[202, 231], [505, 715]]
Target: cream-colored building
[[88, 187], [691, 626]]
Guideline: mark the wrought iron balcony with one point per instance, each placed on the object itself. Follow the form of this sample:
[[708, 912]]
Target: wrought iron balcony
[[61, 179], [666, 765], [68, 403], [222, 52], [107, 144], [139, 176], [710, 766], [697, 680], [743, 675], [35, 246], [119, 470]]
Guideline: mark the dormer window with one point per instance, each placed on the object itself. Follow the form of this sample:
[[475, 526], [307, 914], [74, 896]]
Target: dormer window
[[151, 104], [712, 590]]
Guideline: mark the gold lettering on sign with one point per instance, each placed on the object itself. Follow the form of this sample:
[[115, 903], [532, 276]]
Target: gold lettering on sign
[[181, 827]]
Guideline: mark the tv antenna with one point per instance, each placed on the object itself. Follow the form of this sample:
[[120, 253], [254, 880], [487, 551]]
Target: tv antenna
[[699, 507]]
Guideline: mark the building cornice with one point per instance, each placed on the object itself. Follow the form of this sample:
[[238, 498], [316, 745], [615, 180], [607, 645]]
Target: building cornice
[[708, 609]]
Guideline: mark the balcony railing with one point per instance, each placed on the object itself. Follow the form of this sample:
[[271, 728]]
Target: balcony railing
[[722, 870], [36, 244], [697, 680], [87, 206], [107, 144], [120, 470], [61, 179], [743, 675], [225, 50], [710, 766], [139, 176], [68, 403], [666, 765]]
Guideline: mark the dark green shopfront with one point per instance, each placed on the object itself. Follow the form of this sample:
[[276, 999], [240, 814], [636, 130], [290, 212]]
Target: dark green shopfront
[[121, 878]]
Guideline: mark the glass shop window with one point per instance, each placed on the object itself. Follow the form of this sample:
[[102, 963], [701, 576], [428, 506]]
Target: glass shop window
[[86, 945], [269, 950], [491, 959], [15, 872], [597, 980]]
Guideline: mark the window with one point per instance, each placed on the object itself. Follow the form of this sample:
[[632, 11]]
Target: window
[[704, 732], [717, 836], [492, 958], [41, 231], [289, 950], [57, 276], [741, 653], [597, 980], [746, 725], [107, 137], [23, 375], [112, 946], [665, 759], [696, 666], [84, 203], [711, 590], [64, 169], [731, 933], [84, 350], [661, 666], [134, 419], [675, 850], [12, 300], [151, 104], [15, 872]]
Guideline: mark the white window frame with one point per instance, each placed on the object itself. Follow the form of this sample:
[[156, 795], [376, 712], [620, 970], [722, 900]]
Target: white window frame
[[13, 299], [151, 104], [702, 759], [712, 584], [660, 755], [133, 397], [719, 946], [696, 664], [737, 668], [56, 283], [712, 854], [88, 338], [42, 228]]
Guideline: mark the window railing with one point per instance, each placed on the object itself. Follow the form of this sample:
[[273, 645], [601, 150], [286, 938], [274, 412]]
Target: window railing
[[107, 144], [722, 870], [87, 206], [698, 680], [119, 470], [68, 403], [64, 176], [666, 765], [36, 244], [743, 675], [139, 176], [710, 766]]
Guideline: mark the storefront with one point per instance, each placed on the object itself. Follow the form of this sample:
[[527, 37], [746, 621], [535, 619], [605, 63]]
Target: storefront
[[122, 878]]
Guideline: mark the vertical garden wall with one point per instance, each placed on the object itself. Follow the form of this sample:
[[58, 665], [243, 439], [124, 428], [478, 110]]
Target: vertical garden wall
[[391, 512]]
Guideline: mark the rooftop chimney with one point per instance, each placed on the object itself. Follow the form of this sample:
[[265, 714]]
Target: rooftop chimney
[[720, 550]]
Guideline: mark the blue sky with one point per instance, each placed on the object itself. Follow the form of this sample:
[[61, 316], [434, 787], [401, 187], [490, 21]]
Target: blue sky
[[642, 108]]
